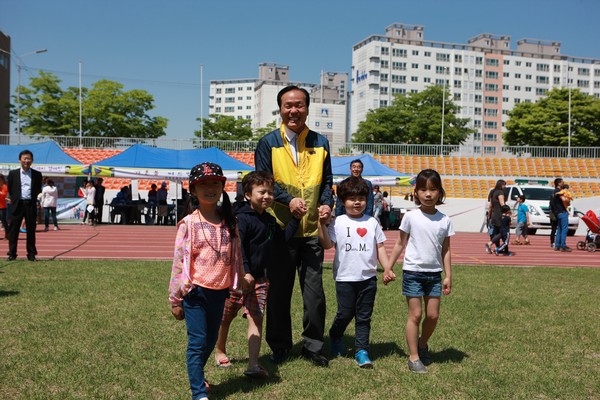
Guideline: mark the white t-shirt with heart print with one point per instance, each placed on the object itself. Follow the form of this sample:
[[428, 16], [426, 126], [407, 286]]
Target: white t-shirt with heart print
[[356, 241]]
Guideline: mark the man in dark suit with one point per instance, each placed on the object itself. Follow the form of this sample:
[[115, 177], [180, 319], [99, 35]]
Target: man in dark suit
[[24, 186]]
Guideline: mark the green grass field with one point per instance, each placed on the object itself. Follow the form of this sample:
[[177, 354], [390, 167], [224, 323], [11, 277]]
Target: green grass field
[[103, 330]]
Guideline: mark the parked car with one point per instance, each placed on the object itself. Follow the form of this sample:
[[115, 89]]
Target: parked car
[[537, 199]]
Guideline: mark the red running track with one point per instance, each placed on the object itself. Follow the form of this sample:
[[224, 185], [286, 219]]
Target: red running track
[[142, 242]]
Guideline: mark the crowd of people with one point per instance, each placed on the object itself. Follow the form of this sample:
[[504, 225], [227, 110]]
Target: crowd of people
[[240, 257], [500, 216]]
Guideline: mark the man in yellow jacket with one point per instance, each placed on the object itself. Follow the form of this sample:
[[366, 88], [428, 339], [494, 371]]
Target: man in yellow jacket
[[300, 162]]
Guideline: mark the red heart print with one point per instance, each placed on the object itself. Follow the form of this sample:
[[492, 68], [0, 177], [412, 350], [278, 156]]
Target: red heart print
[[361, 231]]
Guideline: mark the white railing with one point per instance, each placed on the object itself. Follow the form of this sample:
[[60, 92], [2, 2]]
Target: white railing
[[337, 148]]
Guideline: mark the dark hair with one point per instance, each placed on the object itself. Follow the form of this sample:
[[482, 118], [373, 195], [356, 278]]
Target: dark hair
[[357, 161], [153, 186], [226, 211], [49, 182], [289, 89], [2, 177], [256, 178], [522, 197], [557, 181], [23, 152], [505, 208], [433, 177], [352, 186], [499, 184]]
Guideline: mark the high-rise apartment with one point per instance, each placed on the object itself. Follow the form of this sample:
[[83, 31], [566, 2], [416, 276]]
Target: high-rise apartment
[[256, 99], [485, 77]]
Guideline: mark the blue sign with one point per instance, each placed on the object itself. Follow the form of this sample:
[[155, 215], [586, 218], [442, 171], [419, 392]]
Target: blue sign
[[361, 76]]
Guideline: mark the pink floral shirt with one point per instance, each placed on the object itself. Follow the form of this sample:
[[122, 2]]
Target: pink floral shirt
[[206, 256]]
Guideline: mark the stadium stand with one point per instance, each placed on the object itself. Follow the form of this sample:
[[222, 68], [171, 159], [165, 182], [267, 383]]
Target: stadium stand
[[468, 177]]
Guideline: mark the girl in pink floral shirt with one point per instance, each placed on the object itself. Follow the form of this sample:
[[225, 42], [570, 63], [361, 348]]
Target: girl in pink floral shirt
[[206, 264]]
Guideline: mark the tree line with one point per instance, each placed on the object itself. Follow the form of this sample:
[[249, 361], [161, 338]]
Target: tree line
[[415, 118]]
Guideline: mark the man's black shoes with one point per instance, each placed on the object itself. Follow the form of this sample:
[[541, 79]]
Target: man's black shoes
[[11, 258], [315, 357]]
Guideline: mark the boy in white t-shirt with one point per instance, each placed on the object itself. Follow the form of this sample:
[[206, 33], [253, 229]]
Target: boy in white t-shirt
[[359, 243]]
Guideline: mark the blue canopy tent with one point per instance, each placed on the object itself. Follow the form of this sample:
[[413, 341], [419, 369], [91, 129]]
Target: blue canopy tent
[[373, 170], [48, 158], [146, 162]]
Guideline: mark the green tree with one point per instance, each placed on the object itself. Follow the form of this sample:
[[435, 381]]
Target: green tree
[[415, 119], [225, 127], [107, 110], [260, 132], [546, 122]]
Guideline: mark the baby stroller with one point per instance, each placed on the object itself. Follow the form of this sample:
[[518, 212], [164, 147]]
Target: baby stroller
[[592, 238]]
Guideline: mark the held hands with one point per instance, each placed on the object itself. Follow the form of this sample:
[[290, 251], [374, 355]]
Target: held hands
[[324, 212], [298, 207], [388, 276], [177, 312]]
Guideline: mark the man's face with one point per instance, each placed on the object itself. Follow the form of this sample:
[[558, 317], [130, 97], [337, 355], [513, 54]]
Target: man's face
[[356, 169], [294, 110], [26, 161]]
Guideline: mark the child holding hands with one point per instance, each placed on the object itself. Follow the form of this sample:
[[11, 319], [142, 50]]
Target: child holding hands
[[259, 234], [207, 262], [359, 242], [425, 234]]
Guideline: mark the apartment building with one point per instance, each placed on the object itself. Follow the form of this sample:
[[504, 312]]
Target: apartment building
[[255, 99], [484, 76]]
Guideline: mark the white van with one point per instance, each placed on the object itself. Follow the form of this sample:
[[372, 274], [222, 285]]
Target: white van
[[537, 199]]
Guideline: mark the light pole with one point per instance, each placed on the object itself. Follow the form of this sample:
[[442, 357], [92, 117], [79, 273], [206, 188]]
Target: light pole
[[569, 86], [443, 109], [19, 66]]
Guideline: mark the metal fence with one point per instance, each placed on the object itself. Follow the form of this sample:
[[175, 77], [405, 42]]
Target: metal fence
[[337, 148]]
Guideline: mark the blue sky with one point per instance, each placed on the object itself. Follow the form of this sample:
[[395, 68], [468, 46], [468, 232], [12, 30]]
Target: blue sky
[[159, 45]]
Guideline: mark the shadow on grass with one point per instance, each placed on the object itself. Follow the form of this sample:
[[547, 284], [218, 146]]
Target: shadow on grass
[[240, 384], [449, 355], [7, 293]]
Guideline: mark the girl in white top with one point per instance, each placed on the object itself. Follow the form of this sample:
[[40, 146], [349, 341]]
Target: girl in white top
[[49, 202], [425, 234], [90, 194]]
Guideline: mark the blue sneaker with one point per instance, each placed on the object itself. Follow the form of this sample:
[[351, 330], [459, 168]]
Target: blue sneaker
[[337, 348], [362, 359], [23, 230]]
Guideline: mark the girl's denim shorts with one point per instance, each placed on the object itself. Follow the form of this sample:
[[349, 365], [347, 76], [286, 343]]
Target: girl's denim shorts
[[418, 284]]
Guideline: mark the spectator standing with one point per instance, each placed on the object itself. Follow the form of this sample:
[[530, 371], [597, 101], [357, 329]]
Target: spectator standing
[[377, 203], [3, 206], [163, 208], [494, 215], [557, 205], [300, 162], [24, 186], [49, 203], [89, 191], [152, 201], [356, 169], [99, 199]]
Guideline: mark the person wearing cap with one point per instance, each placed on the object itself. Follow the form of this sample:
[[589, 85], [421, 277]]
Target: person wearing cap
[[207, 263], [300, 162], [24, 186], [356, 169]]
